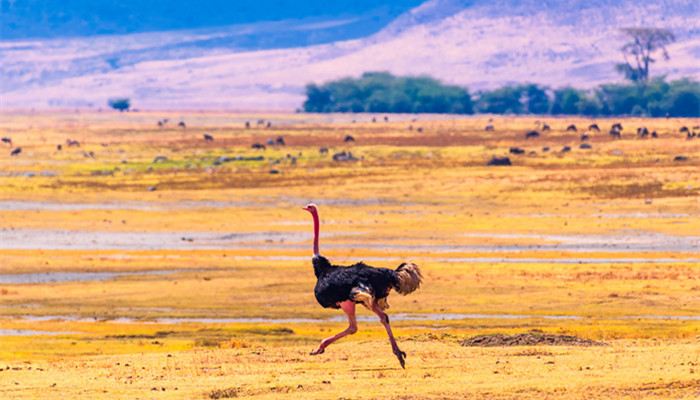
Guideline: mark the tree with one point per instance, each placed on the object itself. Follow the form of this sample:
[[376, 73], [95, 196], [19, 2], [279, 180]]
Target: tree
[[643, 43], [120, 104]]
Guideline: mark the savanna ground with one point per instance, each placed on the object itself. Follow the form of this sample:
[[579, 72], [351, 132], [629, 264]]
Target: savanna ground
[[197, 280]]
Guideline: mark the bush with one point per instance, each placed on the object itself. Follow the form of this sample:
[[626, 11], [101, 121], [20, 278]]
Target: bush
[[120, 104]]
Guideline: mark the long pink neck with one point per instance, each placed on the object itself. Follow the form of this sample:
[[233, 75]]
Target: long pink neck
[[316, 229]]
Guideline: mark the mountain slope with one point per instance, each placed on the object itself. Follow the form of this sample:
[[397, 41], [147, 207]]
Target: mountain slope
[[480, 44]]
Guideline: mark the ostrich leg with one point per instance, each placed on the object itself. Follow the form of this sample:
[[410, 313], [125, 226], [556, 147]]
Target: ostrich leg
[[349, 307], [395, 347]]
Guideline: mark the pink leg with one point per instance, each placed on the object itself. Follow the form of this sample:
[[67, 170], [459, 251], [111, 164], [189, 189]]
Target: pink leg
[[395, 347], [349, 307]]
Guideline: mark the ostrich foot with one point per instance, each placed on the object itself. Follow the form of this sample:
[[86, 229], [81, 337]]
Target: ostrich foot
[[401, 355], [318, 351]]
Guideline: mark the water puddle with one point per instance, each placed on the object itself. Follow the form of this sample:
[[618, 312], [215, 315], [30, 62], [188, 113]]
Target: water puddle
[[25, 332], [57, 277]]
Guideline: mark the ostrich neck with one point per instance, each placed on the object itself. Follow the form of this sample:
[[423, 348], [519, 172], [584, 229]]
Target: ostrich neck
[[316, 229]]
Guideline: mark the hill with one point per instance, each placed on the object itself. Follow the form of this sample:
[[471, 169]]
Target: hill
[[479, 44]]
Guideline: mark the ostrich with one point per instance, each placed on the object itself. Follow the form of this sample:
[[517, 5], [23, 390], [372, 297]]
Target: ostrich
[[343, 287]]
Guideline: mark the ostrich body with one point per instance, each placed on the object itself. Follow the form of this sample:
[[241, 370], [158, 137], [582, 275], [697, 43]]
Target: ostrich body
[[342, 287]]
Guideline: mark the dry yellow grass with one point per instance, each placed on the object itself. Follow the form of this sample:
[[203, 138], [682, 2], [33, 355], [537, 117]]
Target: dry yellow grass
[[594, 236]]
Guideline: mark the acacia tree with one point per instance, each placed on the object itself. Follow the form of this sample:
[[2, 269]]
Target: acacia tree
[[643, 42]]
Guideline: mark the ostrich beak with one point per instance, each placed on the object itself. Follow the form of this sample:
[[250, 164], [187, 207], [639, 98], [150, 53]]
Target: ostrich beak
[[306, 208]]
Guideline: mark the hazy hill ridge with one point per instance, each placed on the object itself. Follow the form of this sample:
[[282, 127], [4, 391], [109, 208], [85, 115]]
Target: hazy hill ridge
[[479, 44]]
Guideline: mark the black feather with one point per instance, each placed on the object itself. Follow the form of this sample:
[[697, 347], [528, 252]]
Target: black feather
[[335, 283]]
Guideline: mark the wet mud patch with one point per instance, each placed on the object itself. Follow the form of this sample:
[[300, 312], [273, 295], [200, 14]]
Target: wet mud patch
[[528, 339]]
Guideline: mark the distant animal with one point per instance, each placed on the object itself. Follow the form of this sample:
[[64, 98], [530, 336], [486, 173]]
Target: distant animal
[[269, 124], [565, 149], [420, 129], [585, 146], [532, 134], [499, 161], [594, 127], [386, 119], [615, 133], [516, 150], [280, 141], [642, 132], [546, 128], [182, 124], [685, 129], [617, 126], [349, 138], [374, 120], [571, 128], [343, 156], [59, 147], [342, 287], [208, 138], [488, 128], [258, 146], [584, 136], [323, 150], [160, 123], [72, 143], [160, 158], [247, 124], [410, 127], [680, 158], [270, 142], [7, 140], [654, 134], [545, 148], [16, 151]]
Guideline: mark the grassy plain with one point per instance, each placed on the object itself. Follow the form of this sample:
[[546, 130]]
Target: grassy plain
[[213, 296]]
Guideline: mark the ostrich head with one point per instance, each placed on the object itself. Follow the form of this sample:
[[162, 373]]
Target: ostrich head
[[311, 207]]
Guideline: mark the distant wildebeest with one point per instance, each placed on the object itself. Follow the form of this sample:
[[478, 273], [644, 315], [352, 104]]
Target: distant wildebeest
[[545, 148], [160, 158], [270, 142], [420, 129], [72, 143], [680, 158], [323, 150], [615, 133], [280, 141], [565, 149], [685, 130], [247, 124], [585, 146], [571, 128], [16, 151], [584, 136], [269, 124], [386, 119], [617, 126], [654, 134], [344, 157], [546, 128], [489, 128], [516, 150], [642, 131], [532, 134], [594, 127], [374, 120], [160, 123], [182, 124], [59, 147], [258, 146], [499, 161], [349, 138], [208, 137], [410, 127], [7, 140]]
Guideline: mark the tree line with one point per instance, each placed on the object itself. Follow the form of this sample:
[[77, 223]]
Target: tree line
[[381, 92]]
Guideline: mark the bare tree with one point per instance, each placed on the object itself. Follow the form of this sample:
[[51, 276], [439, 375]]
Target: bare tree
[[643, 42]]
